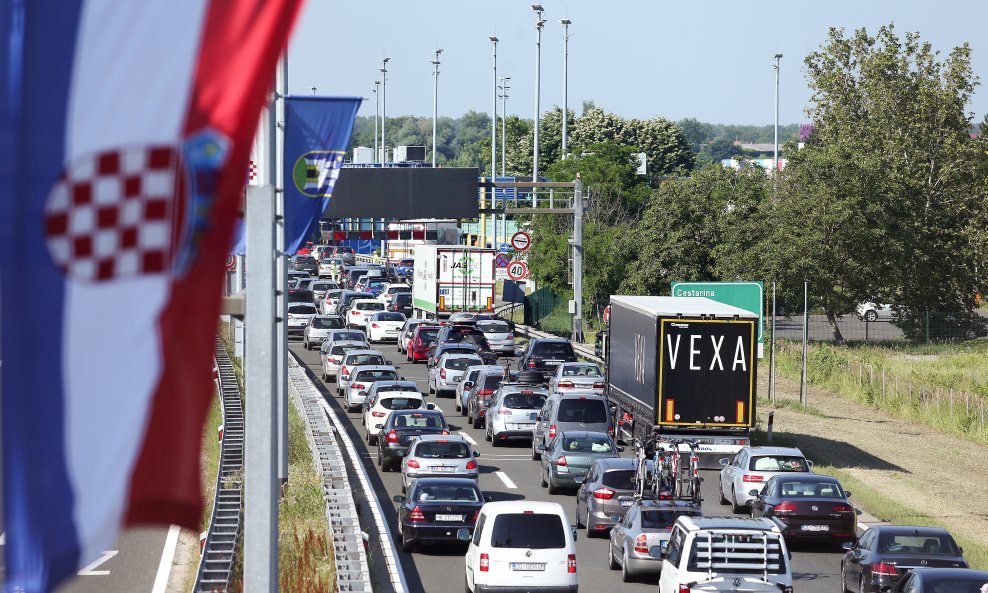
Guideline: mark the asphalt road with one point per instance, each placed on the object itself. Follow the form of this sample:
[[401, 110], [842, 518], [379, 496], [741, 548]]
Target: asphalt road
[[508, 473]]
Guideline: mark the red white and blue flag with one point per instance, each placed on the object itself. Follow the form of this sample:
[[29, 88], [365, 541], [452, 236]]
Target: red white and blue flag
[[125, 132]]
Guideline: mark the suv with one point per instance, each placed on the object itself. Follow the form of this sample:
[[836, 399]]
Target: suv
[[521, 545], [545, 354], [752, 467], [449, 370], [725, 554], [305, 263], [570, 411], [513, 411], [299, 315]]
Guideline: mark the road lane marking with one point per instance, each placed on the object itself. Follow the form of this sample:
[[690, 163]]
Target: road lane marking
[[467, 438], [90, 570], [167, 557], [507, 481]]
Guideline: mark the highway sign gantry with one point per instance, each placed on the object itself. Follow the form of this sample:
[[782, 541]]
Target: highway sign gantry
[[521, 241], [518, 270]]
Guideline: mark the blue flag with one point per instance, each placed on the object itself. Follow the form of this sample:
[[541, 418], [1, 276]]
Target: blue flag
[[317, 130]]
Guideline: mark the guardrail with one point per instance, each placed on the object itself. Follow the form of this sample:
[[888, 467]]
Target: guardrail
[[352, 572], [219, 550]]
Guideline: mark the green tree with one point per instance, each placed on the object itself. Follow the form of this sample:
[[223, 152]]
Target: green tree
[[716, 150], [667, 152]]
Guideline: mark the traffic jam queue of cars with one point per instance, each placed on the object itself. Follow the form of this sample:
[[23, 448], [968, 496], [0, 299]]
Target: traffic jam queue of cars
[[557, 405]]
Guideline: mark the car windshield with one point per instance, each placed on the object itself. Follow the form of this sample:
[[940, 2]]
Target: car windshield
[[404, 298], [355, 359], [302, 309], [401, 403], [581, 370], [419, 420], [778, 463], [442, 450], [588, 444], [350, 335], [582, 410], [446, 493], [382, 375], [390, 317], [524, 401], [536, 531], [814, 489], [428, 335], [619, 479], [462, 350], [554, 350], [664, 518], [458, 364], [327, 323], [376, 306], [493, 327], [342, 348], [913, 543]]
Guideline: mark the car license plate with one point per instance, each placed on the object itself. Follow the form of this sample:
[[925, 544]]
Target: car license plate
[[814, 527], [525, 425], [457, 379], [442, 468], [449, 517], [626, 503], [528, 566]]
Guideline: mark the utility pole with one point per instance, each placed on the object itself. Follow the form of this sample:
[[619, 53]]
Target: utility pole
[[377, 116], [384, 109], [775, 161], [435, 104], [504, 151], [483, 216], [539, 23], [566, 23], [803, 396], [578, 260]]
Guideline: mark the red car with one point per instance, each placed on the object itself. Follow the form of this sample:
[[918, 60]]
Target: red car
[[422, 338]]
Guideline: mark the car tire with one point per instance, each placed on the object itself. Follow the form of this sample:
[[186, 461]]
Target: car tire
[[861, 587], [406, 546], [478, 422], [870, 316], [612, 562], [371, 439], [380, 462], [325, 377], [735, 507], [590, 530], [576, 516], [469, 417], [552, 488], [535, 452], [489, 437], [626, 575], [723, 499], [544, 483]]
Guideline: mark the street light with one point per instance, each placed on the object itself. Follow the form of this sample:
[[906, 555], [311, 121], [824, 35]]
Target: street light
[[377, 116], [504, 117], [566, 23], [384, 107], [435, 103], [775, 164], [539, 23]]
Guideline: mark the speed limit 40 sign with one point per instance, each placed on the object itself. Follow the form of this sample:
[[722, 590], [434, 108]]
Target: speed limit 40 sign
[[518, 270]]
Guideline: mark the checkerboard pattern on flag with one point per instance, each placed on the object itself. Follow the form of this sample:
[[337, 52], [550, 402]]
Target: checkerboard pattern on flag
[[110, 216]]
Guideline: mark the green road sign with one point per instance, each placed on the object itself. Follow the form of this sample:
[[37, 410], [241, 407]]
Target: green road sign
[[749, 296]]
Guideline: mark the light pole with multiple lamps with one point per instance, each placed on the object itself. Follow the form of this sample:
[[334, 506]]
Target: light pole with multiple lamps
[[377, 117], [504, 145], [775, 163], [384, 108], [539, 23], [435, 103], [566, 23]]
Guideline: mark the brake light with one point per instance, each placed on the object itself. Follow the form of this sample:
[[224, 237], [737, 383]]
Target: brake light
[[471, 464], [413, 463], [785, 507], [442, 373], [374, 325], [552, 431], [843, 508], [345, 371], [571, 563], [485, 562], [511, 336], [566, 384], [603, 493], [641, 544], [377, 414], [392, 437], [485, 392], [686, 589], [505, 412], [884, 568], [354, 312], [751, 478], [610, 430], [531, 364], [561, 461], [416, 515], [476, 515], [599, 385], [358, 386]]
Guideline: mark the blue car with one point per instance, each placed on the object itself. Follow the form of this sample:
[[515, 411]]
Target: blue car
[[405, 268]]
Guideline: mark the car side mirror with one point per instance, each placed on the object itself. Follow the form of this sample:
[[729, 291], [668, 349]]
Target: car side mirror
[[753, 493], [885, 589], [810, 463], [454, 427], [573, 527], [468, 385], [847, 493], [476, 453], [430, 406], [725, 461], [463, 534], [401, 379], [398, 498], [389, 362], [847, 545], [488, 498], [400, 453], [538, 418]]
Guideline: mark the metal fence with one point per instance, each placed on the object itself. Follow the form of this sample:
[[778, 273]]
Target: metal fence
[[924, 328]]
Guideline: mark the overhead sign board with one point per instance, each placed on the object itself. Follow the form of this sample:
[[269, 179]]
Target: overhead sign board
[[521, 241], [749, 296]]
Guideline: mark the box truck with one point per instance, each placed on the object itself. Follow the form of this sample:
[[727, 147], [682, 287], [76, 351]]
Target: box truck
[[683, 368], [452, 278]]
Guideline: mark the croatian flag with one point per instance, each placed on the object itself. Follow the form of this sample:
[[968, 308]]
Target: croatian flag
[[125, 132]]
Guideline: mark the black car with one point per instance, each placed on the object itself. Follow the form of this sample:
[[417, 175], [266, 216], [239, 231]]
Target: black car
[[434, 509], [401, 303], [884, 553], [305, 263], [466, 334], [943, 580], [807, 507], [401, 427], [545, 354], [301, 295]]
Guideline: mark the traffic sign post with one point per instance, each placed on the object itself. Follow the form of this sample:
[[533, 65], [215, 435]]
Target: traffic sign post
[[749, 296], [521, 241], [518, 270], [502, 260]]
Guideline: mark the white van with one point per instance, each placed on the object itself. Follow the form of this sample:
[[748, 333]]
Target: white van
[[521, 546], [712, 554]]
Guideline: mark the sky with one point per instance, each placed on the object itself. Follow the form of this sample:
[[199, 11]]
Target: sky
[[710, 60]]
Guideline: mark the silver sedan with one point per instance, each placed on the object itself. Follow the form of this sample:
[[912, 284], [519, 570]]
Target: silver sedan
[[439, 456], [647, 523], [577, 376]]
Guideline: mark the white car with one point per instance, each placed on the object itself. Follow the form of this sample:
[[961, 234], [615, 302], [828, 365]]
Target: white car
[[299, 315], [385, 396], [449, 370], [499, 335], [752, 467], [319, 328], [330, 301], [875, 311], [392, 289], [361, 380], [354, 358], [360, 311], [521, 545], [572, 377], [319, 289], [331, 354], [384, 325]]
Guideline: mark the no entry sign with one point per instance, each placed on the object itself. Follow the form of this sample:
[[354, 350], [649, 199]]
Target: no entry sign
[[521, 241]]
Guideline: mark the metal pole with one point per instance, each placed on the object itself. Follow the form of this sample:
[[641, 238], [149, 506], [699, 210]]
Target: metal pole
[[806, 336], [566, 23], [435, 103], [483, 199], [539, 23], [771, 368], [377, 117], [578, 259], [504, 149], [281, 270], [384, 109], [775, 161], [261, 467]]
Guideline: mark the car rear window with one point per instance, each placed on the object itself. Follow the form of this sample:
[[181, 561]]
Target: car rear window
[[445, 493], [554, 350], [439, 450], [341, 349], [300, 295], [401, 403], [376, 376], [493, 327], [458, 364], [778, 463], [390, 317], [327, 323], [811, 489], [896, 543], [536, 531], [418, 420], [619, 479], [403, 298], [492, 381], [588, 444], [524, 401], [582, 410], [370, 306], [581, 370], [664, 519], [428, 335], [356, 359], [350, 335], [302, 309], [462, 350]]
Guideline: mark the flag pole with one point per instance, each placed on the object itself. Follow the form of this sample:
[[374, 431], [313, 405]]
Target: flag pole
[[260, 466], [281, 273]]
